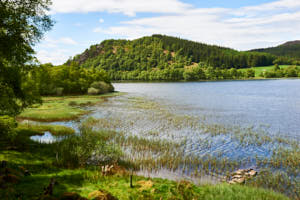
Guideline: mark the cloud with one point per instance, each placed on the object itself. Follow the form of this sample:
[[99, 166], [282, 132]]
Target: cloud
[[127, 7], [241, 28], [56, 57], [101, 20]]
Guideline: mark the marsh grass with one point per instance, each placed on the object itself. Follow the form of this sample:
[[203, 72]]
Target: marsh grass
[[62, 108], [40, 160], [55, 130], [154, 138]]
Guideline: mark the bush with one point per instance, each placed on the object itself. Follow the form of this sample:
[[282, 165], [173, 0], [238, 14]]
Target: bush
[[7, 127], [93, 91], [102, 87], [72, 103]]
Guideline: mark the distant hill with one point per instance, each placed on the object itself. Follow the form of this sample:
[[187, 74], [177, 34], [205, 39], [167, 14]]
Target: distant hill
[[289, 49], [161, 52]]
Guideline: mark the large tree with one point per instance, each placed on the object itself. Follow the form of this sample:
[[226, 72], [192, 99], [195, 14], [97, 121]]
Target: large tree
[[22, 24]]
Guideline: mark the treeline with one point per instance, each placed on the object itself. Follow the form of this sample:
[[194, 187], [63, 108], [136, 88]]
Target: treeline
[[192, 73], [71, 79], [288, 50], [163, 53], [277, 72]]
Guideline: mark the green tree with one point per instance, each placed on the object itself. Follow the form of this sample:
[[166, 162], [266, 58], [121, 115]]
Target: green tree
[[22, 24]]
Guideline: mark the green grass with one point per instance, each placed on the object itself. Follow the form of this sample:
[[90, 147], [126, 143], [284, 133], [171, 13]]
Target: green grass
[[41, 128], [39, 159], [259, 70], [62, 108]]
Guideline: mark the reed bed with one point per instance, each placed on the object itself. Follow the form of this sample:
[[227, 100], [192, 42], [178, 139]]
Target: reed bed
[[155, 138]]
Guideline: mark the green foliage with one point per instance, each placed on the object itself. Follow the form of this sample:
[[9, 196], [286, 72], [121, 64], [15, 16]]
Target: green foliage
[[93, 91], [61, 108], [7, 127], [66, 80], [287, 51], [86, 148], [277, 72], [165, 58], [22, 24], [100, 87], [55, 130]]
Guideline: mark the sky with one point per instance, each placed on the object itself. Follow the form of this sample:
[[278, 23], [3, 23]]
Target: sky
[[238, 24]]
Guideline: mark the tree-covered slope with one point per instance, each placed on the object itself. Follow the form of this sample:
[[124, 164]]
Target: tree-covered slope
[[159, 51], [289, 49]]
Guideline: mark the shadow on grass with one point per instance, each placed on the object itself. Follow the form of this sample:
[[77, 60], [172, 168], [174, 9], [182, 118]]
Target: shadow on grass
[[38, 159]]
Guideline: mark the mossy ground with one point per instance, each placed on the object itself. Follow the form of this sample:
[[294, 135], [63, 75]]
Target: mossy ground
[[62, 108]]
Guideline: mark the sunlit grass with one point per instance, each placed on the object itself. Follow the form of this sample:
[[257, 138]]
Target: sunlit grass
[[62, 108]]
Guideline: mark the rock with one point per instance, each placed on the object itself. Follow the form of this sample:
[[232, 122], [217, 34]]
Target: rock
[[239, 172], [237, 176], [101, 195], [241, 175], [239, 180], [252, 173]]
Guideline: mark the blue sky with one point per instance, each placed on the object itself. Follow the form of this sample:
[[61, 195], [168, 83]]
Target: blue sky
[[243, 24]]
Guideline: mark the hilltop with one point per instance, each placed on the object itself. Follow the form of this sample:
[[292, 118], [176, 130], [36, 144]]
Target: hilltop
[[289, 49], [166, 57]]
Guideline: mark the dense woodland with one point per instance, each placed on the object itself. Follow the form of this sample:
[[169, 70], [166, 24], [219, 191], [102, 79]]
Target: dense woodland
[[168, 58], [277, 72], [288, 51], [59, 80]]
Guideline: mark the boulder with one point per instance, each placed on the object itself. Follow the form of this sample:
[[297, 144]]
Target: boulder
[[241, 175]]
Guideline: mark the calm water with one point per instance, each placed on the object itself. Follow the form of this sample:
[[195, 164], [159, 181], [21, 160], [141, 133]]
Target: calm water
[[273, 104]]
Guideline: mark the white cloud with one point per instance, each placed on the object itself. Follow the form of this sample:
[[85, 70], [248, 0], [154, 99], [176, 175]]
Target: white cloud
[[56, 57], [101, 20], [242, 28], [127, 7]]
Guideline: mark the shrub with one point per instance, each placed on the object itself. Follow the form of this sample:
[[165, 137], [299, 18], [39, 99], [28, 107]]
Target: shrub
[[93, 91], [102, 87], [72, 103], [7, 127]]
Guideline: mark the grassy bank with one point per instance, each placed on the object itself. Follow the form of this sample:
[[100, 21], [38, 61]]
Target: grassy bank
[[259, 70], [62, 108], [55, 130], [39, 159]]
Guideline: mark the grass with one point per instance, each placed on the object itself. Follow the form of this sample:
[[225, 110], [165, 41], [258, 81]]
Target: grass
[[56, 130], [259, 70], [39, 159], [62, 108], [160, 148]]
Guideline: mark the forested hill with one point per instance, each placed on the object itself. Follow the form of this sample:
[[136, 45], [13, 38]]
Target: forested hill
[[159, 51], [289, 49]]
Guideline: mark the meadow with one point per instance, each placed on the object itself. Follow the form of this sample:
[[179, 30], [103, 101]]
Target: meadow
[[260, 70]]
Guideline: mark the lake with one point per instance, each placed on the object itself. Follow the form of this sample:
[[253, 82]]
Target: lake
[[271, 103], [202, 131]]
